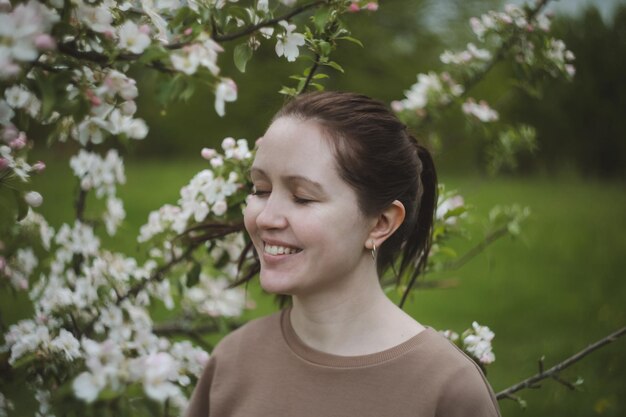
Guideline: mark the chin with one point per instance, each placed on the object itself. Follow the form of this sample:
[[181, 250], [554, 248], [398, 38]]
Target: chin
[[276, 285]]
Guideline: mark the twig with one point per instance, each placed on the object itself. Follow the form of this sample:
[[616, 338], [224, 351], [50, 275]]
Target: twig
[[553, 372], [271, 22], [309, 77], [70, 48], [504, 48], [476, 250]]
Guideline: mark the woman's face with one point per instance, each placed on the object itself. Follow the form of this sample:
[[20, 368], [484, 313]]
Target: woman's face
[[302, 217]]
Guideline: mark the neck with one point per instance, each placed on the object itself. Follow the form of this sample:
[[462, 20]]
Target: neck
[[359, 320]]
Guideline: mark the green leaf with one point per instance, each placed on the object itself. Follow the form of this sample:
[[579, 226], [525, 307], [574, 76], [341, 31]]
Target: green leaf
[[193, 277], [25, 360], [288, 91], [242, 55], [335, 65], [153, 53], [351, 39], [320, 18], [325, 48]]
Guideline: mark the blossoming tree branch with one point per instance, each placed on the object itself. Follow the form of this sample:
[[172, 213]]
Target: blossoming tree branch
[[64, 71]]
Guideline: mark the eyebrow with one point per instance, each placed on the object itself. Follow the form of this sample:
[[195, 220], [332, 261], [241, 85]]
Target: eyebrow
[[291, 179]]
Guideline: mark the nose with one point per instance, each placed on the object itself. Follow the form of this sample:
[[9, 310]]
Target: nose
[[272, 216]]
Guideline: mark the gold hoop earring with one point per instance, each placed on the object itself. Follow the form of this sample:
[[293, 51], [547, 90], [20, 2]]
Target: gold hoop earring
[[373, 250]]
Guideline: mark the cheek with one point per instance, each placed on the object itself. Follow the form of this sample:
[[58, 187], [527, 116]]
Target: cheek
[[250, 213]]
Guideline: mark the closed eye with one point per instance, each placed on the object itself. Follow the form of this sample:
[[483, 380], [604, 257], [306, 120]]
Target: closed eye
[[300, 200]]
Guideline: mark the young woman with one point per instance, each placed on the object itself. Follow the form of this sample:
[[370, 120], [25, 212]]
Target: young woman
[[341, 191]]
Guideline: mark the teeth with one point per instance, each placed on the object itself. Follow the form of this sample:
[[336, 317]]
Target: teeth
[[279, 250]]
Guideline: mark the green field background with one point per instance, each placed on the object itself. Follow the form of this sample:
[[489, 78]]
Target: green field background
[[551, 292]]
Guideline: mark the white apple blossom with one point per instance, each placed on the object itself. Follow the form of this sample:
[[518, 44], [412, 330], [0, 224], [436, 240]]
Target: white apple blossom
[[115, 82], [17, 96], [20, 267], [21, 34], [204, 52], [480, 110], [36, 220], [472, 53], [450, 334], [288, 42], [226, 91], [25, 337], [191, 358], [6, 113], [160, 221], [477, 342], [430, 88], [119, 123], [101, 174], [87, 386], [446, 204], [132, 38], [211, 296], [114, 215], [96, 18], [78, 239], [185, 61], [159, 371], [66, 344]]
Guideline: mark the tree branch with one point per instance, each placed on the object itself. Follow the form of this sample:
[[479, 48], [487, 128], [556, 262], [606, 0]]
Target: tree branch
[[271, 22], [476, 250], [71, 49], [309, 77], [553, 372]]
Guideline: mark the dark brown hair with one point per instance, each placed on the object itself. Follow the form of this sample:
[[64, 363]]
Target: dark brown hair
[[382, 162]]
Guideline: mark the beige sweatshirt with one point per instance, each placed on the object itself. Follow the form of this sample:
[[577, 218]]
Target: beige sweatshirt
[[263, 369]]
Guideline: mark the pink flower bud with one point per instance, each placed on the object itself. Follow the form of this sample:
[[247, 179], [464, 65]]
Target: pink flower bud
[[3, 263], [23, 284], [45, 42], [3, 164], [18, 143], [371, 6], [39, 166], [208, 153], [216, 162], [353, 8], [9, 133], [530, 28], [188, 31], [93, 98], [145, 29]]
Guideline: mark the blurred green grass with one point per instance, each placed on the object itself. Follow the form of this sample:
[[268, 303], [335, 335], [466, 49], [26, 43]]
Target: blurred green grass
[[551, 292]]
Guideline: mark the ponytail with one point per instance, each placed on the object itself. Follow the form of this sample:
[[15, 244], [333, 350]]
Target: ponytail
[[419, 236]]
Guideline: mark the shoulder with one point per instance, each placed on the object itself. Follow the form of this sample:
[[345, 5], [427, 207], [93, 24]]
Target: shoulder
[[251, 334], [463, 389]]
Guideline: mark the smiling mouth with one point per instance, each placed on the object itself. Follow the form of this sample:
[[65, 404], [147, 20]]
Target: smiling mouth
[[279, 250]]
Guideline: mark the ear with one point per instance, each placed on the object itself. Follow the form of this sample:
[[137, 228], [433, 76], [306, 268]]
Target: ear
[[387, 222]]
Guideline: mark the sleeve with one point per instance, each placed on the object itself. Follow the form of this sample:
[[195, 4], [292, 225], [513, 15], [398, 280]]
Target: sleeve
[[467, 394], [200, 398]]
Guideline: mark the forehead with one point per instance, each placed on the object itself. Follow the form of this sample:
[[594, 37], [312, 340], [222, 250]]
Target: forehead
[[293, 146]]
